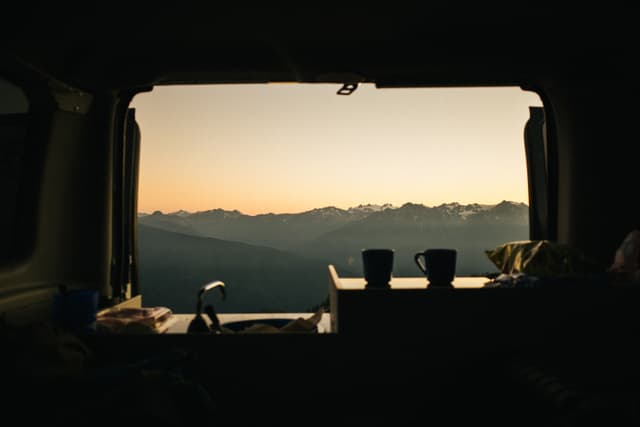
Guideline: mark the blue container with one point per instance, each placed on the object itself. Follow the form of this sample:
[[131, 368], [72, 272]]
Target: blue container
[[76, 310]]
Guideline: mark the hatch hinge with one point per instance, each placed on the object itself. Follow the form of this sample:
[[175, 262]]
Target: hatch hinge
[[348, 88]]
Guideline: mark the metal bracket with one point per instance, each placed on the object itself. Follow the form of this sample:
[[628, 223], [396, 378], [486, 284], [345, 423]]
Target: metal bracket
[[70, 99], [348, 88]]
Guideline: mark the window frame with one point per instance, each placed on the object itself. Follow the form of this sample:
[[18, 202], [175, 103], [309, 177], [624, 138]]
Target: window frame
[[547, 232]]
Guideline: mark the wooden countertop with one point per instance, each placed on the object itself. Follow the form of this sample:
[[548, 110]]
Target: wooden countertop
[[357, 283]]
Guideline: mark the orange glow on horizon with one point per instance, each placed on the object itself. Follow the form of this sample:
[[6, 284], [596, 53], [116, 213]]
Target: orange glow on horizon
[[292, 148]]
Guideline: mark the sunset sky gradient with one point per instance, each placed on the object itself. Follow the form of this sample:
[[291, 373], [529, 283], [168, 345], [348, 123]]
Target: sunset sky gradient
[[293, 147]]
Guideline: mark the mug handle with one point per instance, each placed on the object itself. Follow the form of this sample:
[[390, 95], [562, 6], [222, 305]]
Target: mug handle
[[422, 267]]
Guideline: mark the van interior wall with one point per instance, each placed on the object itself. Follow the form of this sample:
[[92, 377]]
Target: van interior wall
[[597, 172], [72, 240]]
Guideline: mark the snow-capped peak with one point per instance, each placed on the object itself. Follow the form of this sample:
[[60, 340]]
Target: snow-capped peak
[[327, 211], [181, 213], [370, 208]]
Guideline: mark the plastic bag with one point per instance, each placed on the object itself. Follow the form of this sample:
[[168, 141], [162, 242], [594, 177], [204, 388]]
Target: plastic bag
[[540, 258]]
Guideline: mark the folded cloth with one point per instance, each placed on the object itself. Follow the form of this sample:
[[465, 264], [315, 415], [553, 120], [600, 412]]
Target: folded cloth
[[568, 281], [518, 280], [134, 320]]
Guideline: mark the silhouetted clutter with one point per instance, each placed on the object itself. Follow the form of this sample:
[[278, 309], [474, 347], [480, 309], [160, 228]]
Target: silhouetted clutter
[[540, 263], [52, 377], [540, 258], [626, 262]]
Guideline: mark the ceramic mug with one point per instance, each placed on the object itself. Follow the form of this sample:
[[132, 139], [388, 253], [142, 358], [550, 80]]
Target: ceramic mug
[[438, 265], [378, 267]]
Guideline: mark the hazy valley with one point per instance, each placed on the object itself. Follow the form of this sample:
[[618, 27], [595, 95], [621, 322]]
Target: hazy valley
[[278, 262]]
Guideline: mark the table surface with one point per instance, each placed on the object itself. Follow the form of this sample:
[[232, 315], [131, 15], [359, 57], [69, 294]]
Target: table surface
[[180, 322], [356, 283]]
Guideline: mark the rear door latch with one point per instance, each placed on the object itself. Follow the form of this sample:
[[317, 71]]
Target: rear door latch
[[348, 88]]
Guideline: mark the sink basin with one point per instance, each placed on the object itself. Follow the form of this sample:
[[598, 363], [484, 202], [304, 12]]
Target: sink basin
[[276, 322]]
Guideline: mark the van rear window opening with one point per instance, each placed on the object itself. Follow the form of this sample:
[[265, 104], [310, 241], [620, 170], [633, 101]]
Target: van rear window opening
[[263, 186]]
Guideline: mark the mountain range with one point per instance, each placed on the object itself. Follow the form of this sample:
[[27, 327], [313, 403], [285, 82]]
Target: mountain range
[[282, 231], [305, 243]]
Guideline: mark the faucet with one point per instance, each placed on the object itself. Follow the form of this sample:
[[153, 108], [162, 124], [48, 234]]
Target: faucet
[[198, 324]]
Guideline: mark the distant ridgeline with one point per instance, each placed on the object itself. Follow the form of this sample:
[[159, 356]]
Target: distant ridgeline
[[278, 262]]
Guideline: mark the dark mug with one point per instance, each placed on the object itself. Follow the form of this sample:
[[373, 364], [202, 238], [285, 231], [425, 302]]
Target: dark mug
[[378, 267], [439, 265]]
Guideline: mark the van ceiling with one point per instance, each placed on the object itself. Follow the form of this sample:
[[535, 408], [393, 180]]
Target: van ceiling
[[443, 44]]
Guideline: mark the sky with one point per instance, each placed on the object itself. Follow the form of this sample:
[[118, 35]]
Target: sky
[[286, 148]]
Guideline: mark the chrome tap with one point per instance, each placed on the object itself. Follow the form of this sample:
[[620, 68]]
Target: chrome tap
[[198, 324]]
